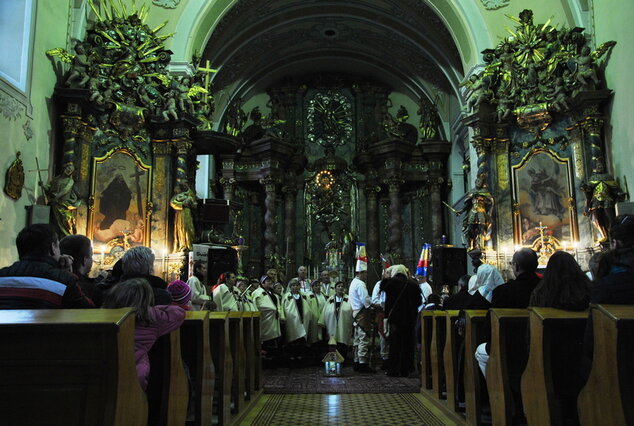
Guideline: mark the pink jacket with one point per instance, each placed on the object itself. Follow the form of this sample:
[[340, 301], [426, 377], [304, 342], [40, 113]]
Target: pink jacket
[[167, 318]]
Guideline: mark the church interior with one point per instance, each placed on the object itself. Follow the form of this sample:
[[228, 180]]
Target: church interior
[[274, 134]]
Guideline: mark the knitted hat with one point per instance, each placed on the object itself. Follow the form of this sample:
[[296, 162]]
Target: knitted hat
[[180, 291], [264, 277]]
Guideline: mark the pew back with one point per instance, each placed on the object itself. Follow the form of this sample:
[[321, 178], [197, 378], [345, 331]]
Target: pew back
[[69, 366], [427, 331], [474, 335], [437, 352], [453, 342], [221, 355], [608, 396]]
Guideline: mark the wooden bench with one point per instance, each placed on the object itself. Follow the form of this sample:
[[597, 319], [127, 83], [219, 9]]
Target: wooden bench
[[69, 367], [608, 396], [437, 351], [507, 360], [552, 379], [450, 355], [196, 353], [257, 371], [236, 343], [473, 379], [426, 332], [221, 355], [249, 355], [167, 390]]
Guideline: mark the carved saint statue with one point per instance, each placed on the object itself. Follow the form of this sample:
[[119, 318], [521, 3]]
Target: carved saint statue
[[476, 223], [183, 202], [63, 199]]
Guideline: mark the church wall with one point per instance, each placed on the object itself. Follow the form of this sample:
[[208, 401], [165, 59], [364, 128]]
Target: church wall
[[50, 31], [613, 22]]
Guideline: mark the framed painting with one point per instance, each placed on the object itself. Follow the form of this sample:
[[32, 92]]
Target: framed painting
[[543, 200], [121, 189]]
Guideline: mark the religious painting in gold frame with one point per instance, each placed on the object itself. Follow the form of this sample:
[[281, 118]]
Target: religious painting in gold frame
[[121, 187], [543, 188]]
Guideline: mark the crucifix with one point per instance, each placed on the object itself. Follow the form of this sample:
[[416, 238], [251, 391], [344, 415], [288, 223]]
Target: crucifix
[[207, 70], [40, 182], [139, 197]]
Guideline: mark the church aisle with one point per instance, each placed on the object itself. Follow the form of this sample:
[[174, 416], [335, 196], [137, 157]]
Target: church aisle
[[347, 409]]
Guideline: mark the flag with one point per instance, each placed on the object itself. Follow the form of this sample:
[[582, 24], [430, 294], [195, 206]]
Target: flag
[[423, 262], [362, 258]]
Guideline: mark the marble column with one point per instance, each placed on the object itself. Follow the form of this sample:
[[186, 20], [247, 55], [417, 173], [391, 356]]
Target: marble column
[[270, 218], [395, 237], [290, 193]]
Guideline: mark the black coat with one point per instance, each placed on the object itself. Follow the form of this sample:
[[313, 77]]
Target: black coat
[[515, 294], [457, 301], [402, 299]]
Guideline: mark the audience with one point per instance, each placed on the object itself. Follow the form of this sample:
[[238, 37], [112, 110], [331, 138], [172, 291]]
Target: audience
[[42, 278], [487, 279], [563, 286], [152, 321], [459, 300], [138, 262]]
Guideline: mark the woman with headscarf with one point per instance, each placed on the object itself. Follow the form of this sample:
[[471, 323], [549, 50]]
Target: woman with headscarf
[[402, 298], [486, 280]]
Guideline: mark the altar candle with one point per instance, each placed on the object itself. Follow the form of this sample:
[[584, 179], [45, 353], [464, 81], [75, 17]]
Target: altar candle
[[103, 254]]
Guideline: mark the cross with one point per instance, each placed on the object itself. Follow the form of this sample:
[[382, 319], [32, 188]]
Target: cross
[[207, 70], [137, 174], [39, 175]]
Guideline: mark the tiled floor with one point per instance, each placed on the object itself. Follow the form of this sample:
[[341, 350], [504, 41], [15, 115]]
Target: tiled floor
[[350, 409]]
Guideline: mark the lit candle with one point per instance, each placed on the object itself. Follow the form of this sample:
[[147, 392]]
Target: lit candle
[[165, 262], [575, 246], [565, 245]]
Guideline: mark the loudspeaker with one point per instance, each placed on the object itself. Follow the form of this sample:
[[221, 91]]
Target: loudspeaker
[[219, 259], [448, 264]]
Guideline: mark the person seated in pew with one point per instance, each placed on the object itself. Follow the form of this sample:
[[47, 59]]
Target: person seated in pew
[[181, 294], [515, 294], [488, 278], [565, 286], [42, 278], [79, 248], [298, 318], [457, 301], [201, 301], [152, 321], [433, 303], [224, 293], [337, 318], [138, 262]]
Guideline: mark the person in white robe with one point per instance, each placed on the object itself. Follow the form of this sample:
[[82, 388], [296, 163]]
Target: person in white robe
[[267, 303], [305, 285], [245, 302], [337, 318], [317, 302], [327, 286], [224, 293], [298, 317], [200, 299]]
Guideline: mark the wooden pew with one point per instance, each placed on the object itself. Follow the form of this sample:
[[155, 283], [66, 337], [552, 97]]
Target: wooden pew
[[437, 351], [197, 356], [450, 355], [236, 343], [249, 355], [507, 359], [257, 371], [167, 390], [69, 367], [221, 355], [472, 375], [426, 331], [552, 374], [608, 396]]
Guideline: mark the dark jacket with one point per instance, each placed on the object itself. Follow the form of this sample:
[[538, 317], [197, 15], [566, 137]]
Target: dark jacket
[[402, 299], [457, 301], [515, 294], [39, 283], [161, 296]]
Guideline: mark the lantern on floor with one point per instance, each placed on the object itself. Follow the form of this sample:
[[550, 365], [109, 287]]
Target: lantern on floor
[[333, 359]]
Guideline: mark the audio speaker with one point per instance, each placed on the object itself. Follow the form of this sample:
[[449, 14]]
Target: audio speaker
[[448, 264], [218, 259]]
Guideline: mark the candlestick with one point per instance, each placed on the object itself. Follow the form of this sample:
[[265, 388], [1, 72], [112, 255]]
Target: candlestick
[[164, 263]]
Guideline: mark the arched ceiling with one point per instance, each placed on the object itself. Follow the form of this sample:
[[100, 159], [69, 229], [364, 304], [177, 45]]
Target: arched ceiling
[[402, 43]]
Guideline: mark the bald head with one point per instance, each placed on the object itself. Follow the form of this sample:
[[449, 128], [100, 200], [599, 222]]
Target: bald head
[[524, 260]]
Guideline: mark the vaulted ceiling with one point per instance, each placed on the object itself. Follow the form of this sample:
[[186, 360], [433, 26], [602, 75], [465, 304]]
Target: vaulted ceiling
[[400, 42]]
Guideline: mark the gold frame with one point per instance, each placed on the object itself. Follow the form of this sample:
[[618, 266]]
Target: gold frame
[[568, 201], [147, 195]]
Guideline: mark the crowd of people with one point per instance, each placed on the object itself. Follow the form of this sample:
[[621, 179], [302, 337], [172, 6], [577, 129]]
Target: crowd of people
[[302, 318]]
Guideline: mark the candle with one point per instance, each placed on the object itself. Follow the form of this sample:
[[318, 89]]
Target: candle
[[565, 245], [103, 255], [164, 263]]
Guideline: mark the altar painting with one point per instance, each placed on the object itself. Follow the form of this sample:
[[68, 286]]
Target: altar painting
[[542, 195], [120, 193]]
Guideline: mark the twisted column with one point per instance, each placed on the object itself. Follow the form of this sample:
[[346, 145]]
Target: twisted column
[[270, 222], [482, 147], [183, 147], [592, 134]]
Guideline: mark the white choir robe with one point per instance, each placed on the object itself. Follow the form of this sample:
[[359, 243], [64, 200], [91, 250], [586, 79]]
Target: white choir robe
[[339, 327], [295, 327], [225, 299], [246, 304], [269, 315], [328, 289], [316, 303], [200, 299]]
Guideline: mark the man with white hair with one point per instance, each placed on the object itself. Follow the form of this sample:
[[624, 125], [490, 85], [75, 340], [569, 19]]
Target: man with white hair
[[304, 281], [138, 262]]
